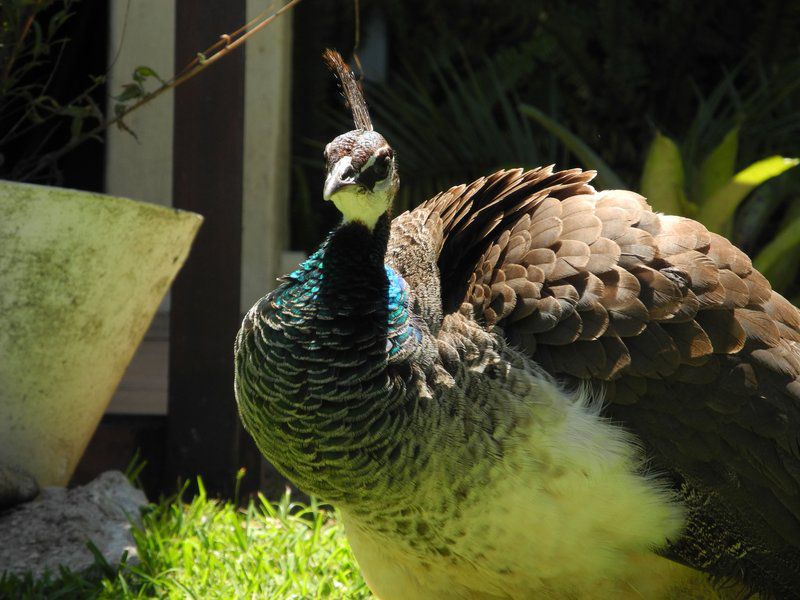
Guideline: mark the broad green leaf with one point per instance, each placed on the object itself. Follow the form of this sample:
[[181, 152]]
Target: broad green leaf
[[143, 72], [718, 167], [784, 244], [662, 176], [129, 92], [606, 177], [782, 272], [720, 207]]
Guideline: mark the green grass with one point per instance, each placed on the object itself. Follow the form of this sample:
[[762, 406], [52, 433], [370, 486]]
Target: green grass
[[210, 549]]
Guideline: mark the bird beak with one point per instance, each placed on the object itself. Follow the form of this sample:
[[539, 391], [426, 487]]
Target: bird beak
[[341, 175]]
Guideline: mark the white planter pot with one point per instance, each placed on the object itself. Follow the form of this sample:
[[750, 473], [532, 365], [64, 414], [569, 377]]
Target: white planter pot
[[81, 276]]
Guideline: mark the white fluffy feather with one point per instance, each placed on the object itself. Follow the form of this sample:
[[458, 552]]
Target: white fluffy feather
[[569, 512]]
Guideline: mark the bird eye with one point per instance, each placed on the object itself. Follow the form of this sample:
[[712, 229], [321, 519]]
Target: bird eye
[[381, 166]]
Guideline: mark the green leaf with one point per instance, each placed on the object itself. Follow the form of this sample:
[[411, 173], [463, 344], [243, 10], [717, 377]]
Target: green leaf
[[122, 125], [663, 178], [606, 177], [74, 110], [781, 246], [143, 72], [37, 39], [76, 127], [57, 20], [720, 207], [718, 167], [129, 92]]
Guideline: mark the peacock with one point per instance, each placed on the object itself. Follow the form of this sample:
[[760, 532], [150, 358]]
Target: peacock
[[527, 388]]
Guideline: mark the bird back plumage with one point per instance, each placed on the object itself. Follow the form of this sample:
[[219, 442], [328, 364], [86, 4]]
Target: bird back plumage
[[692, 348]]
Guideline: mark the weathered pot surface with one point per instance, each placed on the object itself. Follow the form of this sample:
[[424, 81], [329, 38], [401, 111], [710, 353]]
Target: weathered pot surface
[[81, 276]]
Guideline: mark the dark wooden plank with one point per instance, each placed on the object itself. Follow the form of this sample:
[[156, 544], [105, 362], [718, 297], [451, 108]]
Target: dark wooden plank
[[204, 436], [121, 441]]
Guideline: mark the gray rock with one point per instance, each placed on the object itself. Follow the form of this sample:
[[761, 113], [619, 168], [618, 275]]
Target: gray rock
[[16, 486], [53, 529]]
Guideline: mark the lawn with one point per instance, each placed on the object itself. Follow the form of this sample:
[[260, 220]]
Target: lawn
[[203, 548]]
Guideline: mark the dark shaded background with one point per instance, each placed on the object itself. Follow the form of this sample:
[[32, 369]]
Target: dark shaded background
[[443, 77]]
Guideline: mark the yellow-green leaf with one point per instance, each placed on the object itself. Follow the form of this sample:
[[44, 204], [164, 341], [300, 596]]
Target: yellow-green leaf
[[720, 207], [717, 168], [779, 260], [662, 176]]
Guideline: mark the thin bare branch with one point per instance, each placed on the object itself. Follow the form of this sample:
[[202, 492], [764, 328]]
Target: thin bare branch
[[224, 46]]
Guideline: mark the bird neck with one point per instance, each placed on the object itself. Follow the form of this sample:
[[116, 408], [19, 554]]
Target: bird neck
[[351, 262], [343, 319]]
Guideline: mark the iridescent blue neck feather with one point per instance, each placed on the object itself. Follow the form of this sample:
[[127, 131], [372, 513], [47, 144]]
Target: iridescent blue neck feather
[[326, 346]]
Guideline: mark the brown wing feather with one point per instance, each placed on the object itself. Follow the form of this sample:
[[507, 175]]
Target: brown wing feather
[[701, 357], [541, 252]]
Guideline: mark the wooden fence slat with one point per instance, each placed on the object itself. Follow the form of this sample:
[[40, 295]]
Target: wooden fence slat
[[204, 436]]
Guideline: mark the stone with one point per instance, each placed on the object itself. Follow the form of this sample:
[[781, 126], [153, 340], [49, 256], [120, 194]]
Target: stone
[[53, 530], [16, 486]]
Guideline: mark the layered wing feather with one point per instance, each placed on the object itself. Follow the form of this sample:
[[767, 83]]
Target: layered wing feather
[[698, 354]]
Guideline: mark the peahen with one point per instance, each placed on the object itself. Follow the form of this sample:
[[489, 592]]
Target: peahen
[[525, 388]]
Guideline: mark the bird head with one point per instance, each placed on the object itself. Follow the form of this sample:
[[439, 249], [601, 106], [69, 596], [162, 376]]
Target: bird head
[[361, 177]]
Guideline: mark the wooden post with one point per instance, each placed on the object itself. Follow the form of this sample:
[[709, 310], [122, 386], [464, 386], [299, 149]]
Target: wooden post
[[204, 435], [267, 166]]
